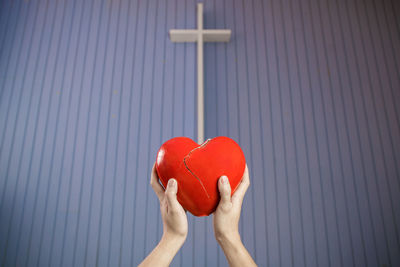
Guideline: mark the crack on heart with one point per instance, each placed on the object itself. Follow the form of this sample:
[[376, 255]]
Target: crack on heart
[[188, 156]]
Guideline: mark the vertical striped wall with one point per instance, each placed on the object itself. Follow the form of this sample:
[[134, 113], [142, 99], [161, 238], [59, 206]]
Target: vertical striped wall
[[90, 89]]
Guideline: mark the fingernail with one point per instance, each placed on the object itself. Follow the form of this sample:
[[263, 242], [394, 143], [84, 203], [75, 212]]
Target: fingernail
[[224, 179], [172, 182]]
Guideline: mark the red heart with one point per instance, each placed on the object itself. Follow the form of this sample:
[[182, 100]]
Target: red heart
[[197, 169]]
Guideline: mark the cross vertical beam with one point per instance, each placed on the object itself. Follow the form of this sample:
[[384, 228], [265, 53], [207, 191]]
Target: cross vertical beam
[[200, 36], [200, 75]]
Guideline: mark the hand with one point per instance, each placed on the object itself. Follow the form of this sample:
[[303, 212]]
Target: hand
[[227, 215], [175, 223], [226, 221], [174, 217]]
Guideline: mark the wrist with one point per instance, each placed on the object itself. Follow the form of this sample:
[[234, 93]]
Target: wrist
[[228, 239], [172, 241], [165, 251], [234, 250]]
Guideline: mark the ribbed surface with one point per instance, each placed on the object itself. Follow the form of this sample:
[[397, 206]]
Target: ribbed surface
[[89, 90]]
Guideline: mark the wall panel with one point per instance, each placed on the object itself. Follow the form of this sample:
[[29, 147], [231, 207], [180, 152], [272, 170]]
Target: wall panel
[[89, 90]]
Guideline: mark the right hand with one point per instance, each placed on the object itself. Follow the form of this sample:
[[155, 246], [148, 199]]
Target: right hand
[[226, 216]]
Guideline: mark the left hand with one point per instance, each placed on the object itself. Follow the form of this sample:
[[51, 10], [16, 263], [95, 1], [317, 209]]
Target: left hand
[[174, 217], [174, 222]]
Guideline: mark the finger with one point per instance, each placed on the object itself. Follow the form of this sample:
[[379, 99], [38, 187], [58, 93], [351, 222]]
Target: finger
[[224, 190], [155, 184], [170, 194], [242, 188]]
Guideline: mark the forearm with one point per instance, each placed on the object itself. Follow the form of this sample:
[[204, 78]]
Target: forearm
[[164, 252], [235, 252]]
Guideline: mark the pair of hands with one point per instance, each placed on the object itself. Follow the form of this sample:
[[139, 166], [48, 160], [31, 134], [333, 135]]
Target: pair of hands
[[225, 222], [225, 218]]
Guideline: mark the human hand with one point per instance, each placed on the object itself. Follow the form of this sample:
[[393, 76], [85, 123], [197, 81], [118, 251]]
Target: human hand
[[226, 222], [175, 223], [226, 216], [174, 217]]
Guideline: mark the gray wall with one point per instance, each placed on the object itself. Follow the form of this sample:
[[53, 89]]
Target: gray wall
[[89, 90]]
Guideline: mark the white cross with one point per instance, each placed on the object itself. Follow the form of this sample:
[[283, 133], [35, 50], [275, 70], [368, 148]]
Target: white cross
[[200, 36]]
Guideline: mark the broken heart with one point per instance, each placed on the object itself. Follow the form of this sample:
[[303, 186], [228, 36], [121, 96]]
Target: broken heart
[[197, 169]]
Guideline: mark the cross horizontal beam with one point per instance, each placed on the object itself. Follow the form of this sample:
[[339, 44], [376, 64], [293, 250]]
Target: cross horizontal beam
[[182, 36]]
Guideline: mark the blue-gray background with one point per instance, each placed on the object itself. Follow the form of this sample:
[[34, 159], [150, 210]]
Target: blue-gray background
[[90, 89]]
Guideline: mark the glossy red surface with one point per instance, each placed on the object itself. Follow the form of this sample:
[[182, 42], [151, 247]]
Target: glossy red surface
[[197, 169]]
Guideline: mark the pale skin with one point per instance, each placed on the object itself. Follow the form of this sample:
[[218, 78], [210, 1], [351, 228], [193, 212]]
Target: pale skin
[[225, 221]]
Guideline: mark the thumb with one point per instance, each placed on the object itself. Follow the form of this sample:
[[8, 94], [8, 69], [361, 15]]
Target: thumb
[[170, 194], [224, 189]]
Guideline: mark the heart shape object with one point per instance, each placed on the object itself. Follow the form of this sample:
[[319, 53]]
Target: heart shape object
[[197, 169]]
